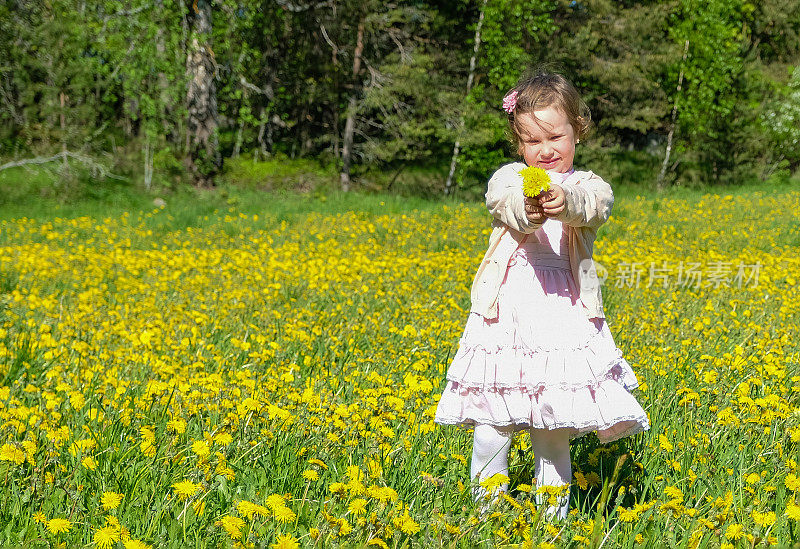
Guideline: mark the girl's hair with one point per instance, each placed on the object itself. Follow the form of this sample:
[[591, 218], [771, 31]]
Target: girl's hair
[[545, 89]]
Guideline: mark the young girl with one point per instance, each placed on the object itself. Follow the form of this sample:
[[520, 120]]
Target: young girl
[[536, 352]]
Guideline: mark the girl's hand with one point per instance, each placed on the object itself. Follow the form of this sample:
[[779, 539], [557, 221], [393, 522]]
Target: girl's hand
[[552, 201], [533, 210]]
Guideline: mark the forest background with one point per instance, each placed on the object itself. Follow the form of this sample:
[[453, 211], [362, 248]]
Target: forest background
[[401, 96]]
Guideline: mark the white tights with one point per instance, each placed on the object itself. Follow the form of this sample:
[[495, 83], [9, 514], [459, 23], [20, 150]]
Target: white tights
[[550, 449]]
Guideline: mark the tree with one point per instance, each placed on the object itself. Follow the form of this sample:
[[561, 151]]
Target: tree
[[513, 32], [204, 160], [470, 79]]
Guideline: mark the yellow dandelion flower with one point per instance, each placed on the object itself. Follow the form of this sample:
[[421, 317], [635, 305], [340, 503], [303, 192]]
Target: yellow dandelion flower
[[232, 525], [534, 181], [519, 526], [355, 487], [764, 519], [58, 526], [274, 501], [357, 506], [319, 462], [248, 509], [89, 462], [551, 530], [752, 478], [111, 500], [406, 524], [511, 500], [374, 468], [792, 482], [106, 537], [9, 452], [382, 494], [223, 438], [177, 426], [627, 515], [285, 541], [310, 475], [186, 489], [40, 518], [283, 514], [344, 528], [593, 479], [494, 481], [136, 544], [792, 511], [199, 506], [581, 481], [200, 447], [355, 473], [673, 492], [379, 542], [734, 531], [111, 520], [665, 444]]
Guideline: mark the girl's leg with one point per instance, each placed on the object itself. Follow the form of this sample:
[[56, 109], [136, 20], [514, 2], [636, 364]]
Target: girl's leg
[[489, 456], [553, 465]]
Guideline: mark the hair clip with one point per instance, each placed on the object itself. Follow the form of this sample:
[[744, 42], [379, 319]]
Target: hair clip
[[510, 102]]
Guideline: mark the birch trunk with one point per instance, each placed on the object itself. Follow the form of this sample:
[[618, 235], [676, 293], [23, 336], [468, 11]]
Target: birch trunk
[[201, 99], [350, 122], [662, 173], [470, 79]]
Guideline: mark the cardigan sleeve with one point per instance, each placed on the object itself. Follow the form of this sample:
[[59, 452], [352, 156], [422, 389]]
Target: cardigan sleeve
[[587, 200], [505, 200]]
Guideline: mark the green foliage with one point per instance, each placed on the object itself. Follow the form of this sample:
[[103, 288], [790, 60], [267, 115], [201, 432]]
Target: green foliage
[[279, 173], [618, 54], [103, 77], [44, 191], [782, 123], [713, 29], [411, 108], [512, 31]]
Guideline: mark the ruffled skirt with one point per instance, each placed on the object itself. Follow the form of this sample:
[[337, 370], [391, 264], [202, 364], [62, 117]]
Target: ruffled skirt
[[542, 363]]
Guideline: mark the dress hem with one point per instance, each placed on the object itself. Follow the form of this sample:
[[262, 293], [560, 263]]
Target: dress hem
[[610, 369], [640, 425]]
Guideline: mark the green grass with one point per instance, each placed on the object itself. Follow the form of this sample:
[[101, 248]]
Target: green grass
[[337, 315]]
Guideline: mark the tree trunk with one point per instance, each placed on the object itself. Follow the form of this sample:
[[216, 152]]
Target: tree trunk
[[166, 108], [147, 152], [263, 122], [239, 137], [662, 173], [204, 159], [350, 122], [470, 79], [63, 122]]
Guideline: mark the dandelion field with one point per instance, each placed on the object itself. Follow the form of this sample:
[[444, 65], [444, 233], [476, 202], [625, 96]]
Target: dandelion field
[[264, 377]]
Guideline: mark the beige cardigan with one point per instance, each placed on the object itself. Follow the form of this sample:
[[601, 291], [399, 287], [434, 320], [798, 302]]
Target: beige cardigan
[[588, 205]]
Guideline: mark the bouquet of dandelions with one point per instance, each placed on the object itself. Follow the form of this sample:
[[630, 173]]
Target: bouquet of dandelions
[[535, 181]]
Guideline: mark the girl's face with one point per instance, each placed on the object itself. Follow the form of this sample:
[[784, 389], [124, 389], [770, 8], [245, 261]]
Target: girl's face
[[547, 140]]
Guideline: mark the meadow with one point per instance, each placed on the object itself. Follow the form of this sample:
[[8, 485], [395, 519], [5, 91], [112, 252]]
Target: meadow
[[237, 369]]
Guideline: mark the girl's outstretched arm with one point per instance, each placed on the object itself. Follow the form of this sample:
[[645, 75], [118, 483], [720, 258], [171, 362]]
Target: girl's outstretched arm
[[505, 200], [587, 201]]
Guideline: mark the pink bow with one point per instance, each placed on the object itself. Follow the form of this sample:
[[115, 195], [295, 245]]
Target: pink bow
[[510, 102]]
